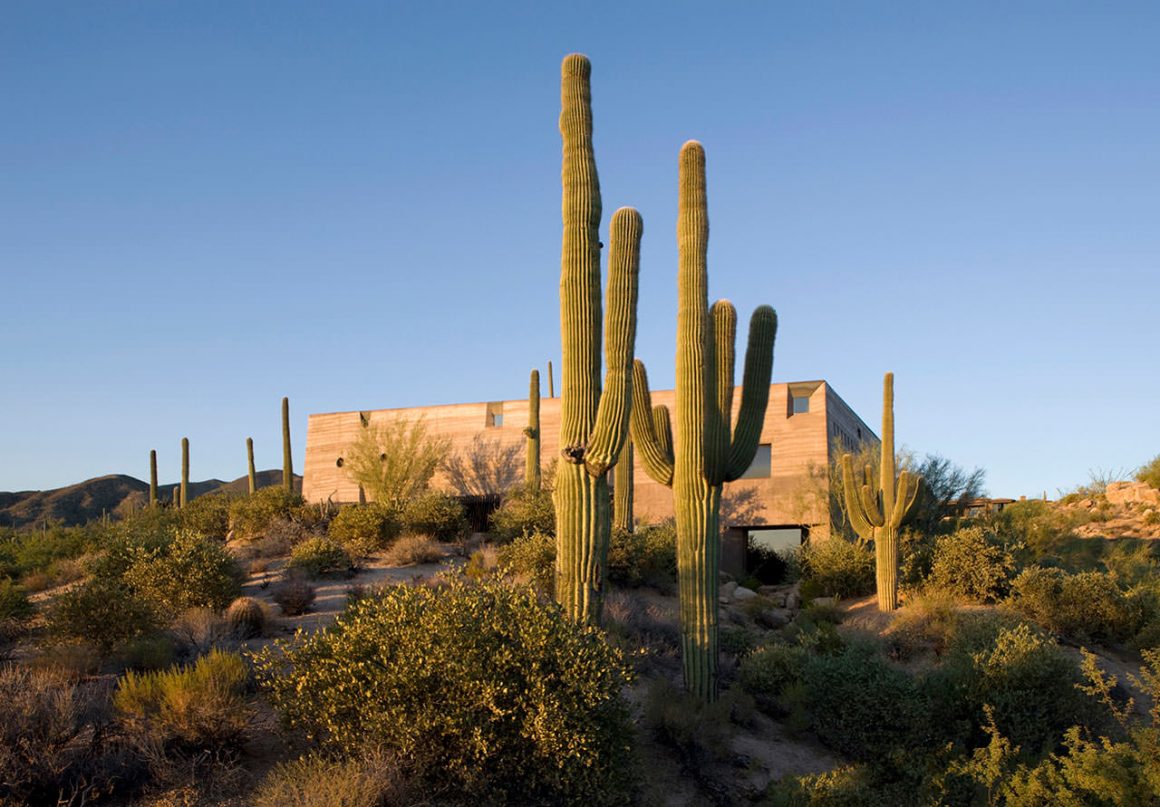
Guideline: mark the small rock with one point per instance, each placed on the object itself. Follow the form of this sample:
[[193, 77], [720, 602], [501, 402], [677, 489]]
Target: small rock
[[793, 601], [774, 618], [725, 593], [724, 577], [823, 601], [741, 593]]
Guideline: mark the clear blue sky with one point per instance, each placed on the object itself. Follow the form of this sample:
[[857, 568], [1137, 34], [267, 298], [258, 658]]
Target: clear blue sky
[[207, 206]]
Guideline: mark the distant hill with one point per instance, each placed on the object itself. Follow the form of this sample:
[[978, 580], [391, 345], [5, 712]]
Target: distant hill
[[114, 494]]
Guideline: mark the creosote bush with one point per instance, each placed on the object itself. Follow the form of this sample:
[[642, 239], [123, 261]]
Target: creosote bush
[[208, 515], [364, 528], [1085, 606], [972, 563], [769, 670], [837, 567], [486, 693], [531, 558], [414, 549], [524, 511], [103, 612], [251, 516], [321, 557], [436, 514], [190, 572], [645, 557]]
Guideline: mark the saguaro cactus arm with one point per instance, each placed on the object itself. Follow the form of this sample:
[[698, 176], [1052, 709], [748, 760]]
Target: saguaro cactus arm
[[612, 417], [718, 398], [754, 391], [854, 506], [651, 429], [908, 487]]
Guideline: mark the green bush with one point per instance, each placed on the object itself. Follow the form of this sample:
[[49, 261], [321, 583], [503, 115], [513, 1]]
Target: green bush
[[208, 515], [104, 612], [860, 705], [644, 557], [532, 557], [24, 553], [364, 528], [14, 604], [1024, 676], [1084, 606], [436, 514], [524, 512], [200, 707], [973, 564], [837, 567], [493, 695], [321, 557], [1150, 473], [251, 516], [769, 671], [191, 572]]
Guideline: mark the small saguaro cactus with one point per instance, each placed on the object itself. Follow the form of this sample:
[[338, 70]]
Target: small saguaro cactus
[[622, 489], [708, 451], [876, 512], [594, 422], [551, 381], [287, 462], [184, 472], [251, 473], [153, 480], [532, 432]]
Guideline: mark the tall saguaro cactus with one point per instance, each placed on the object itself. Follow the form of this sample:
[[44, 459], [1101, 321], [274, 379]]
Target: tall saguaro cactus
[[708, 451], [551, 381], [287, 462], [532, 432], [622, 489], [594, 423], [153, 480], [251, 473], [184, 472], [876, 512]]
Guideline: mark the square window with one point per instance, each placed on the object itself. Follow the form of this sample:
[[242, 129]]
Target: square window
[[760, 467], [801, 405]]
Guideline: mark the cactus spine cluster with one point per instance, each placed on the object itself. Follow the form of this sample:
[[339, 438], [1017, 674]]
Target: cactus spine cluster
[[287, 463], [709, 451], [622, 489], [876, 512], [253, 475], [594, 423], [153, 480], [532, 431], [184, 500]]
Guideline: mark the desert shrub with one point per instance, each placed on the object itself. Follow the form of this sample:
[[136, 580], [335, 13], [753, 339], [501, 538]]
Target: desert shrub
[[369, 780], [251, 516], [363, 528], [43, 713], [492, 694], [765, 565], [737, 641], [699, 732], [320, 557], [414, 549], [1150, 473], [860, 705], [394, 460], [103, 612], [926, 624], [208, 515], [152, 651], [644, 557], [524, 511], [436, 514], [1024, 676], [198, 630], [973, 564], [14, 604], [191, 572], [638, 625], [246, 618], [482, 563], [24, 553], [294, 597], [768, 671], [532, 557], [1088, 605], [1043, 529], [838, 568], [192, 708]]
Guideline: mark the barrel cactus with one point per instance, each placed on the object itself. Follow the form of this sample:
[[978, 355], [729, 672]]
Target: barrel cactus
[[246, 618]]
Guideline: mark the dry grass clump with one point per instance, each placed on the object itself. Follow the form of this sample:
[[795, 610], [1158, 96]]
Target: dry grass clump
[[199, 630], [317, 781], [414, 549]]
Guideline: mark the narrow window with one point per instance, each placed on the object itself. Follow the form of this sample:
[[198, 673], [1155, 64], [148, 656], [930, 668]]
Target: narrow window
[[494, 417], [760, 467]]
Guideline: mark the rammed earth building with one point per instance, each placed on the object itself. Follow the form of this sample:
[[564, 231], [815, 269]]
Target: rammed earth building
[[781, 499]]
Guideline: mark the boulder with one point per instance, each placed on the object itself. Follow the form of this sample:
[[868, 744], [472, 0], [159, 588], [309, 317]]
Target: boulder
[[1125, 493], [793, 601], [823, 602], [726, 592], [741, 593]]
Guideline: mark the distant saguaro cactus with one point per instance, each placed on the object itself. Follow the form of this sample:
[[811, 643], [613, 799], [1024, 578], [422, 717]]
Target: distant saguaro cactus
[[532, 432], [708, 451], [551, 381], [287, 461], [877, 511], [594, 423], [253, 475], [184, 472], [622, 489], [153, 480]]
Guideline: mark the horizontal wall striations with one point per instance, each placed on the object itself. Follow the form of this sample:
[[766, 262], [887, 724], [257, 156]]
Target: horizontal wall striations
[[795, 492]]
